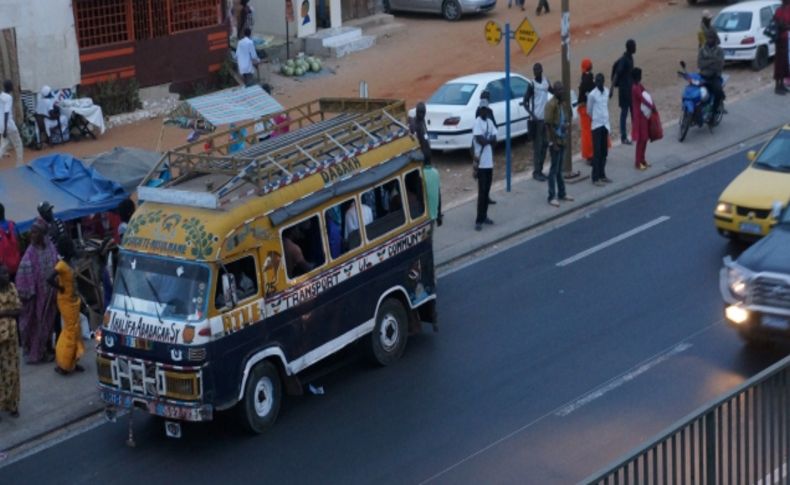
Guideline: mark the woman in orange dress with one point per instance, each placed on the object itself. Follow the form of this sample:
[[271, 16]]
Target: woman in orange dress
[[69, 348], [585, 120]]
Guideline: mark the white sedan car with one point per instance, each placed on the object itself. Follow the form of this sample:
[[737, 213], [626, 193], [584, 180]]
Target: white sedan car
[[740, 29], [450, 111]]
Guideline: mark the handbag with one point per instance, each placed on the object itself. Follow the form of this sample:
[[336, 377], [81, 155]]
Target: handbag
[[772, 31], [654, 129]]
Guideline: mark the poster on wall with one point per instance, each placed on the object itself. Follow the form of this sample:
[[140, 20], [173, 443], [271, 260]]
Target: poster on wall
[[305, 18]]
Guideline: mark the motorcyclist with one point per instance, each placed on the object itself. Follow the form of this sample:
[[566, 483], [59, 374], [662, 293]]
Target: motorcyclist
[[710, 62], [705, 26]]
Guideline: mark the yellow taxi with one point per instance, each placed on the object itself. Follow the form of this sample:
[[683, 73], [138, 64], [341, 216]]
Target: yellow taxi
[[749, 206]]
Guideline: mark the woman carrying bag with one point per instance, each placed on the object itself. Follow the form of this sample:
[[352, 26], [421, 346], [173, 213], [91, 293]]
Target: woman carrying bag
[[642, 108]]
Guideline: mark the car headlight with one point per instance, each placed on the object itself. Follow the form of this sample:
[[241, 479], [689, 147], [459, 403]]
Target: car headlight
[[724, 208], [738, 279]]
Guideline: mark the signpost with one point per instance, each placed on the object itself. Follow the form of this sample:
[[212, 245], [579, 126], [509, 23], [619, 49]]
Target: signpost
[[527, 38]]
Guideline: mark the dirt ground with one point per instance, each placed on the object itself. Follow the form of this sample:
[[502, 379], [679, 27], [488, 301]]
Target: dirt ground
[[412, 63]]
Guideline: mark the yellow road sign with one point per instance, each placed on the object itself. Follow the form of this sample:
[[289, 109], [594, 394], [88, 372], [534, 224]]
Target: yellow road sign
[[493, 33], [526, 36]]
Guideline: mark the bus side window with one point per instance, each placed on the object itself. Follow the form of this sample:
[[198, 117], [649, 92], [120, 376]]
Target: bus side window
[[414, 194], [388, 213], [342, 228], [303, 247], [244, 276]]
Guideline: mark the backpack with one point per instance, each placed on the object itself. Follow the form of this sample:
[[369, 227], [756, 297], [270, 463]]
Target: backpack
[[9, 249]]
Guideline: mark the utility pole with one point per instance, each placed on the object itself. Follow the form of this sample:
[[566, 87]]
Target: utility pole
[[565, 35]]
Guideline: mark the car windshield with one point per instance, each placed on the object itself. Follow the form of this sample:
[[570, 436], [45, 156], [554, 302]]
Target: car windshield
[[160, 287], [453, 93], [776, 154], [733, 22]]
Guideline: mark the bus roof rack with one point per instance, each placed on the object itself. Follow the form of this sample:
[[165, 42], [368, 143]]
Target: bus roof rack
[[295, 143]]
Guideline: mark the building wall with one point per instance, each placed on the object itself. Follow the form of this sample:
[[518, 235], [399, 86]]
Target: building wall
[[46, 42], [270, 17], [152, 41]]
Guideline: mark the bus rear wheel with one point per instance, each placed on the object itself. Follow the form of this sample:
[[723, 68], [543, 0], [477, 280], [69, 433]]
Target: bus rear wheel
[[388, 339], [262, 397]]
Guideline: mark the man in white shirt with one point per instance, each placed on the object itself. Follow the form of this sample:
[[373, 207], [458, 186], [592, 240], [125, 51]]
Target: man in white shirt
[[484, 138], [352, 219], [7, 126], [535, 99], [247, 57], [55, 123], [598, 107]]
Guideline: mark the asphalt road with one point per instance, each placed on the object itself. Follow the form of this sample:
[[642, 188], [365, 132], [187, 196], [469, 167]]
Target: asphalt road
[[540, 373]]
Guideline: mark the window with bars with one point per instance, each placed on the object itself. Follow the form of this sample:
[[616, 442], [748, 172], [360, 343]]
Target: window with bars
[[102, 22]]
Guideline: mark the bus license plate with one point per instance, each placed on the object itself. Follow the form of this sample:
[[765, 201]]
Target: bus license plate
[[751, 228], [778, 323], [115, 399]]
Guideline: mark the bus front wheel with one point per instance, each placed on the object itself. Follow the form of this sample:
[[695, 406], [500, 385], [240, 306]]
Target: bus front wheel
[[388, 339], [262, 397]]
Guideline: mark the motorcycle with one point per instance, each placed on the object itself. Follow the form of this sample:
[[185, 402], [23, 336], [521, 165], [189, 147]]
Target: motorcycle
[[698, 103]]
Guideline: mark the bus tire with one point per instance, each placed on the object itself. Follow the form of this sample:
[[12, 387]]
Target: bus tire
[[260, 404], [388, 339]]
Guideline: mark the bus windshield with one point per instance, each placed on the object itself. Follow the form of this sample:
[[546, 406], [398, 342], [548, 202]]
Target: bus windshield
[[160, 287]]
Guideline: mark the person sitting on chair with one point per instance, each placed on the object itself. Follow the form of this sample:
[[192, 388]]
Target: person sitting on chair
[[55, 124]]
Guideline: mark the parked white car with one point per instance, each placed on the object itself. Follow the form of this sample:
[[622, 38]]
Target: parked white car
[[740, 29], [450, 9], [450, 111]]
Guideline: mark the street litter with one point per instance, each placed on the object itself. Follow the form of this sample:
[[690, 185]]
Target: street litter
[[316, 391]]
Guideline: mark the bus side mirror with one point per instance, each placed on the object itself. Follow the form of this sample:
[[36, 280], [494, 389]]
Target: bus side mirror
[[229, 290], [751, 155]]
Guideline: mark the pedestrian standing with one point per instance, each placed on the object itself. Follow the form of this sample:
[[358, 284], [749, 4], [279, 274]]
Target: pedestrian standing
[[247, 57], [484, 139], [58, 233], [69, 348], [641, 108], [246, 16], [557, 126], [598, 107], [8, 128], [587, 84], [782, 59], [9, 244], [9, 345], [37, 320], [420, 130], [535, 99], [621, 78], [542, 5]]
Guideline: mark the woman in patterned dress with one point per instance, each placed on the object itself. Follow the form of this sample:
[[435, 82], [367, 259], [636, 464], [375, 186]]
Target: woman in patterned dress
[[37, 320], [9, 355]]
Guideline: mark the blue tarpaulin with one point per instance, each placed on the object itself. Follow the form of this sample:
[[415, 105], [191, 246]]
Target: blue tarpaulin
[[72, 188]]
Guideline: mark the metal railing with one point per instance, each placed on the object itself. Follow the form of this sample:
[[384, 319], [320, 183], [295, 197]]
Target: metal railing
[[740, 438]]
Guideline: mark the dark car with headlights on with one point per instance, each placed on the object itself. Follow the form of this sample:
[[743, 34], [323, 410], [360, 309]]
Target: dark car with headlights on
[[756, 286]]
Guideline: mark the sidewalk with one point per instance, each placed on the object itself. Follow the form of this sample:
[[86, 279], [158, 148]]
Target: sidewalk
[[50, 401]]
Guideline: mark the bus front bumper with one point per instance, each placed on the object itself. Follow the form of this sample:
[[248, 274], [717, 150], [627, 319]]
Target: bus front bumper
[[195, 412]]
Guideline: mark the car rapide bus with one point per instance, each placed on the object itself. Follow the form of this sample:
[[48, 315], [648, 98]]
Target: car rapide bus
[[240, 272]]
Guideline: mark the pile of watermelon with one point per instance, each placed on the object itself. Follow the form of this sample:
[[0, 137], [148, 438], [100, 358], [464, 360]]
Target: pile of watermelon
[[300, 66]]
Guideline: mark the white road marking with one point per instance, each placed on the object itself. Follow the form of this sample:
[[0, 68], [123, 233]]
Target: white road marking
[[663, 355], [612, 241], [620, 380]]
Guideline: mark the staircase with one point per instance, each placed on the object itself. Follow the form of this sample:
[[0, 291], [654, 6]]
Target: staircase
[[354, 35]]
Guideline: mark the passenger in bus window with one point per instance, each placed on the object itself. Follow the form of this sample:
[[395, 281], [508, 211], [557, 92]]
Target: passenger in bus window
[[352, 219], [334, 228], [295, 262], [414, 194]]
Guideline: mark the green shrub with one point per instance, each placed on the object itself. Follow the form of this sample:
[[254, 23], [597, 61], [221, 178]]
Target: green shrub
[[115, 96]]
